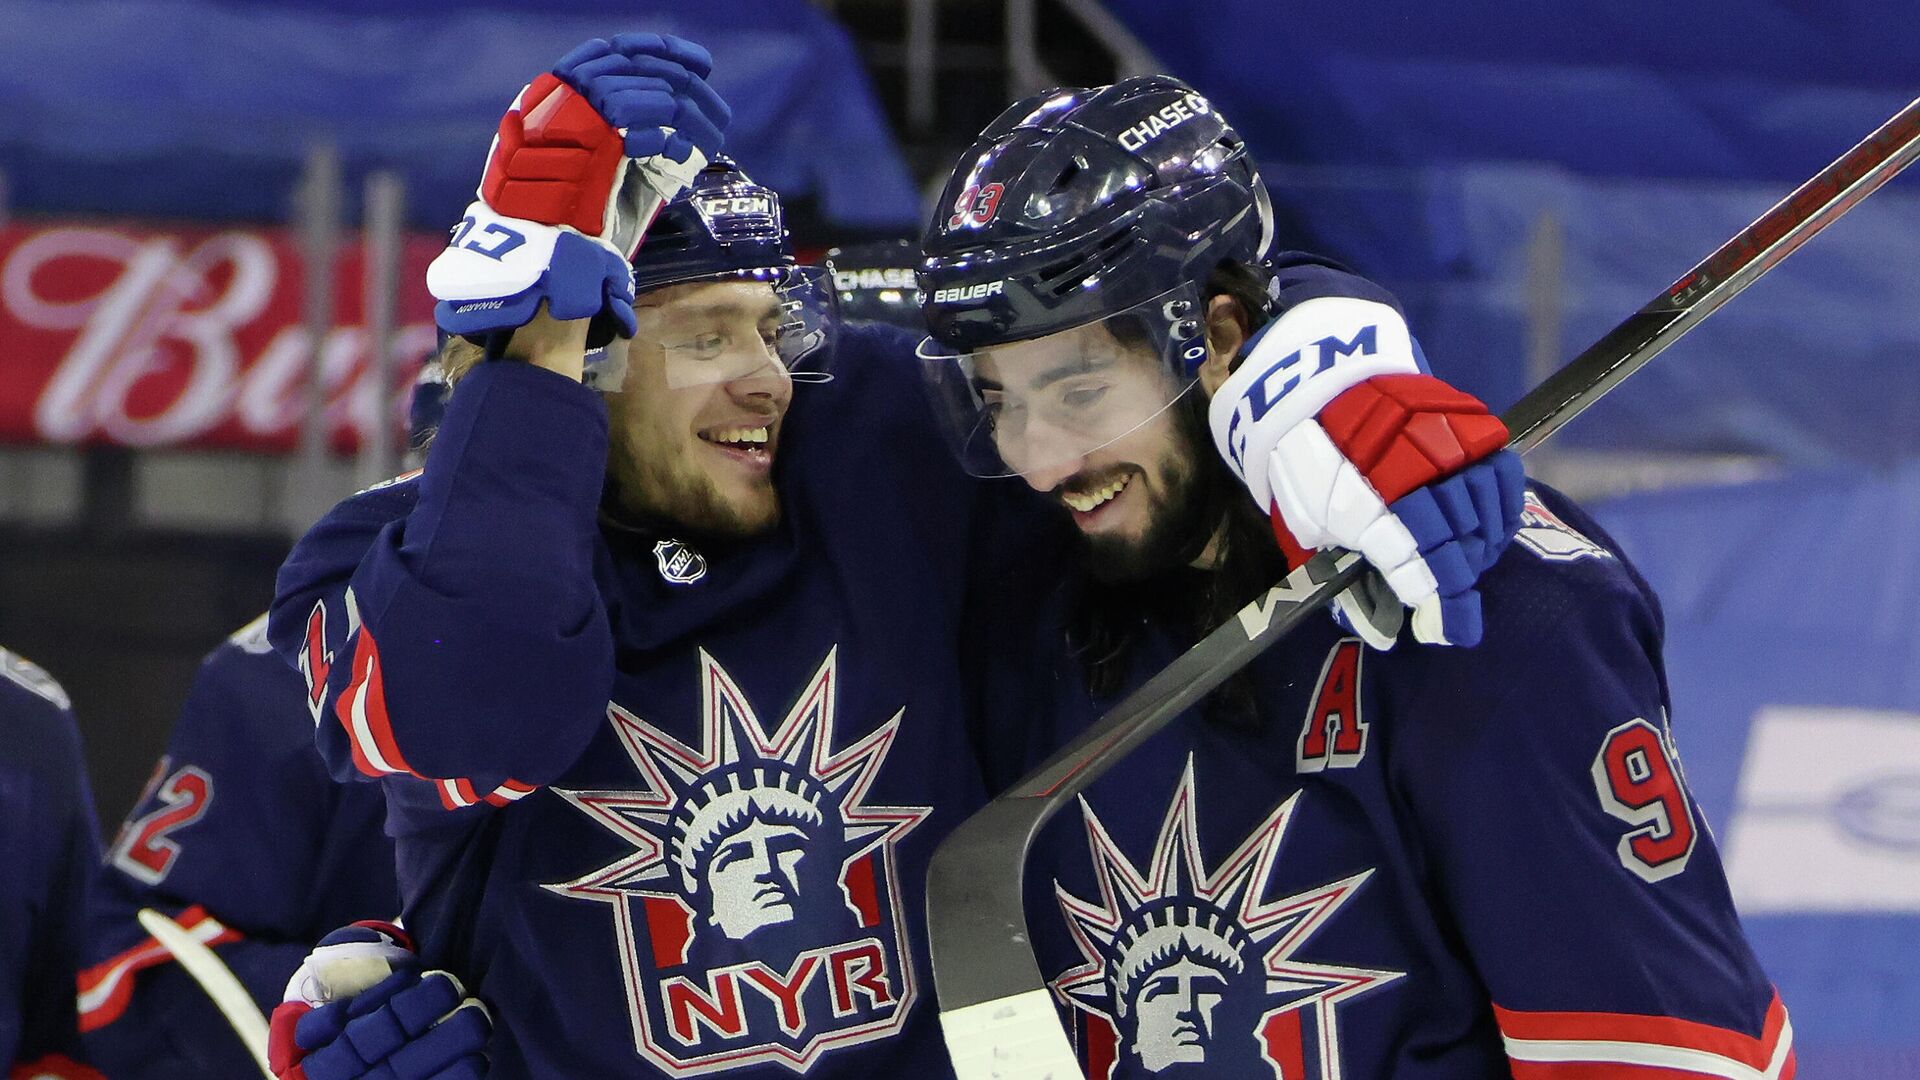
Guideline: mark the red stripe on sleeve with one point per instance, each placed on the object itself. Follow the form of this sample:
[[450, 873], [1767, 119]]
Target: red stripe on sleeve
[[106, 988], [1611, 1036], [54, 1067], [1653, 1030]]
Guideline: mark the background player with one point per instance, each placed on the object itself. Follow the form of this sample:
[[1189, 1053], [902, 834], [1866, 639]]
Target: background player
[[243, 839], [1424, 863], [52, 843]]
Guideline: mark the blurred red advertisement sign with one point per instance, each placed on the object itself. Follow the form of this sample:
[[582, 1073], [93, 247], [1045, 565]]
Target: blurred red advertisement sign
[[148, 336]]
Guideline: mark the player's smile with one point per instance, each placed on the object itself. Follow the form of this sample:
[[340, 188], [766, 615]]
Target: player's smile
[[749, 443], [1100, 502]]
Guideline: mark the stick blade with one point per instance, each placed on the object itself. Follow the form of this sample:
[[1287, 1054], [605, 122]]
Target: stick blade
[[1011, 1038]]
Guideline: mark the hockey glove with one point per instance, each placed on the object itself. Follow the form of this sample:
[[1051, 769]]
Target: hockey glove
[[583, 160], [1345, 440], [359, 1007]]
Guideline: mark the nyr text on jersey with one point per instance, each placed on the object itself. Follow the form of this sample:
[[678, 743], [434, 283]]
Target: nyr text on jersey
[[1166, 118]]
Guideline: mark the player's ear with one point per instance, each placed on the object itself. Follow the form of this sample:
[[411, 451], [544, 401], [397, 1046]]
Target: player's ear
[[1226, 332]]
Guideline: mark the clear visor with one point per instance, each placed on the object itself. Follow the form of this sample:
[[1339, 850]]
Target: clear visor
[[1046, 403], [760, 324]]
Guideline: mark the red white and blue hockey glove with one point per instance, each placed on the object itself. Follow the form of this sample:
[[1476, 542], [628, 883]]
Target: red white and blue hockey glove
[[1345, 440], [360, 1008], [583, 161]]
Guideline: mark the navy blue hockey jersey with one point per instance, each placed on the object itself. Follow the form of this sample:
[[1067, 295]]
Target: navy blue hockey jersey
[[666, 805], [1429, 864], [243, 839], [49, 842]]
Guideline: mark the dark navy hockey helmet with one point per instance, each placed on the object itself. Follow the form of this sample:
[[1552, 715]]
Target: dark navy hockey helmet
[[1065, 267], [725, 226], [875, 282], [1081, 202]]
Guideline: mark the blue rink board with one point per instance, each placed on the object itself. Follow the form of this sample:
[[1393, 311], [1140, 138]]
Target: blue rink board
[[1792, 609]]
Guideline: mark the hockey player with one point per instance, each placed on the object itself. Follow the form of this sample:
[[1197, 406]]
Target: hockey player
[[51, 843], [775, 621], [1422, 863], [242, 839], [663, 767]]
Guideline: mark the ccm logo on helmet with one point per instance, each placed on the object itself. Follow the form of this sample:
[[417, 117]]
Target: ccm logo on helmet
[[1166, 119], [961, 293], [736, 204]]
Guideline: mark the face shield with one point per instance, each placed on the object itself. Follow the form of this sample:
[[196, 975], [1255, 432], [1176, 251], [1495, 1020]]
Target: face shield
[[1043, 403], [774, 323]]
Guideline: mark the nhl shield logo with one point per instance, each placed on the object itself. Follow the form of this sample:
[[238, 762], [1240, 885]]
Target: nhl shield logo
[[1191, 971], [679, 563], [758, 915]]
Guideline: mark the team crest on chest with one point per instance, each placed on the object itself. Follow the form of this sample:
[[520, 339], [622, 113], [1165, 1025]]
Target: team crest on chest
[[758, 915], [1191, 971]]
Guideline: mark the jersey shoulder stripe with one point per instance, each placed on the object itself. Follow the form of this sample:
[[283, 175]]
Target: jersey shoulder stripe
[[30, 677]]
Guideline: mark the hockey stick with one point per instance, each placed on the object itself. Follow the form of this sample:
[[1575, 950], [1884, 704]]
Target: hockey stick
[[217, 979], [995, 1010]]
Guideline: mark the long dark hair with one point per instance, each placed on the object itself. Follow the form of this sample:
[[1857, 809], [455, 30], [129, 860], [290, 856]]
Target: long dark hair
[[1108, 621]]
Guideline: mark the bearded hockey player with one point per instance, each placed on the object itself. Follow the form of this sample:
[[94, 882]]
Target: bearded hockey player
[[52, 844], [665, 702], [1422, 863]]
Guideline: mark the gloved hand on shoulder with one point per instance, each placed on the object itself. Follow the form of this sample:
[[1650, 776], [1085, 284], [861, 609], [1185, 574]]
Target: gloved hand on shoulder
[[1347, 442]]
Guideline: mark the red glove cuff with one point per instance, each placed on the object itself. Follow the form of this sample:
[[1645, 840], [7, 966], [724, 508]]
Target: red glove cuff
[[1296, 555], [554, 161], [1406, 431], [283, 1054], [1402, 432]]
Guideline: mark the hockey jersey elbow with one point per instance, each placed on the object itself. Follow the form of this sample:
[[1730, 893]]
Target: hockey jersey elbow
[[476, 695]]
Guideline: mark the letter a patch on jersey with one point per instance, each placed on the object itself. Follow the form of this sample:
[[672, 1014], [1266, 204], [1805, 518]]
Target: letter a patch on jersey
[[758, 913], [1191, 970], [1334, 736]]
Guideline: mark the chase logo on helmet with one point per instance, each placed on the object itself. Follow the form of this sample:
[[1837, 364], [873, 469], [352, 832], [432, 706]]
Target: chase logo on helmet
[[873, 277], [964, 293], [1164, 119]]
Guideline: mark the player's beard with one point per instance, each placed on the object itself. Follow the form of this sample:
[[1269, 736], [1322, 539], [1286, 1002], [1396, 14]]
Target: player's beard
[[1179, 518], [668, 493]]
